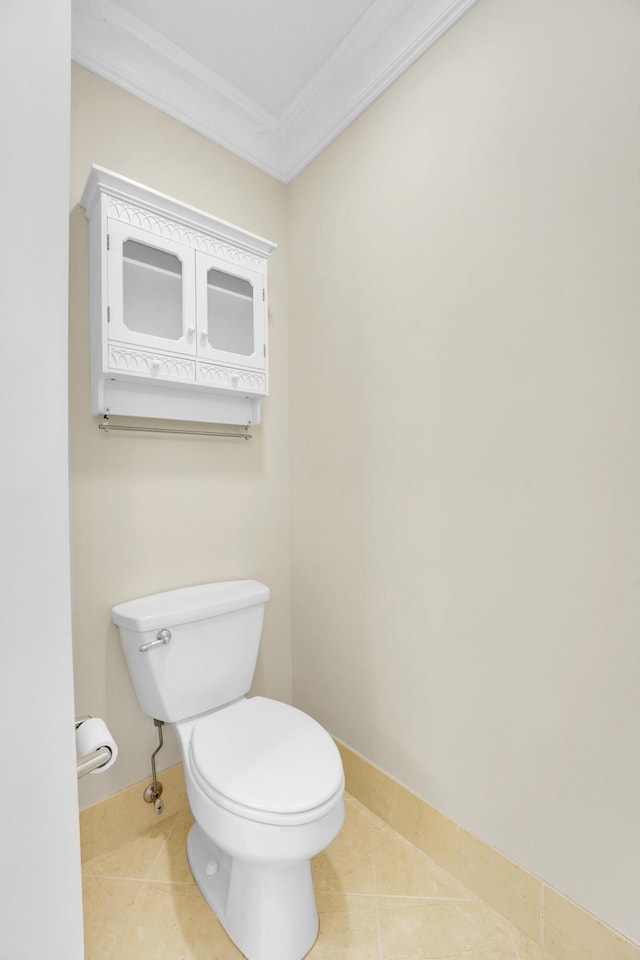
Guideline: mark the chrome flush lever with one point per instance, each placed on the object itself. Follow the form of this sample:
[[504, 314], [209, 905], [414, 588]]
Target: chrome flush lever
[[162, 636]]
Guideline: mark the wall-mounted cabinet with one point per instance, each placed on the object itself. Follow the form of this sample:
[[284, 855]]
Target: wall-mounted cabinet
[[178, 307]]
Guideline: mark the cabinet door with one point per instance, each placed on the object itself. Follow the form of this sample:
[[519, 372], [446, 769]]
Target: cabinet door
[[151, 290], [231, 313]]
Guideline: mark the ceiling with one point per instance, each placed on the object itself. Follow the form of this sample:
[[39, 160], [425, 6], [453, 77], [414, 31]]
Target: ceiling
[[274, 82]]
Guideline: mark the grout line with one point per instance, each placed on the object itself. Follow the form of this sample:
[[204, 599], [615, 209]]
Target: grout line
[[108, 876], [405, 896], [112, 877], [396, 896], [375, 886], [515, 945], [163, 845]]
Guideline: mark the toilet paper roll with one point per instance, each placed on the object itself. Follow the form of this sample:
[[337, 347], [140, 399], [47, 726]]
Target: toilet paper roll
[[93, 734]]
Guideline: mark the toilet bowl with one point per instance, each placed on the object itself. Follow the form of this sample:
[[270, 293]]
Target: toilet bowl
[[261, 813], [264, 780]]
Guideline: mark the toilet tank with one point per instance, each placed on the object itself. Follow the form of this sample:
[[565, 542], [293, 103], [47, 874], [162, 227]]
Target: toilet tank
[[194, 649]]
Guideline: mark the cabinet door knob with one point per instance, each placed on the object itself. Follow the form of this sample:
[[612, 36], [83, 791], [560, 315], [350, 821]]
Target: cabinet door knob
[[190, 333], [203, 339]]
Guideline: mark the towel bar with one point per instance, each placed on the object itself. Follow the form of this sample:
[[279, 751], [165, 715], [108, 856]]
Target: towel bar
[[107, 426]]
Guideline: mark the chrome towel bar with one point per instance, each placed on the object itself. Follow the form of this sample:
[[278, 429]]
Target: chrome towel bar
[[107, 426]]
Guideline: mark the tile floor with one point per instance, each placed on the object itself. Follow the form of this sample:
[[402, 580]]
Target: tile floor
[[379, 898]]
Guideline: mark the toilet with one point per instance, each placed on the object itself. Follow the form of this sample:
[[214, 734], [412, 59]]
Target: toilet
[[265, 781]]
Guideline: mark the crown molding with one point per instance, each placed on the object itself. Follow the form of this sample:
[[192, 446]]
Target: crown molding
[[385, 41]]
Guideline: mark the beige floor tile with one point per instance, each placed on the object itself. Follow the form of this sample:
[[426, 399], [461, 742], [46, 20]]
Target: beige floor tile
[[133, 858], [439, 929], [171, 921], [527, 949], [401, 869], [348, 928], [506, 951], [379, 898], [346, 865], [105, 905], [171, 864]]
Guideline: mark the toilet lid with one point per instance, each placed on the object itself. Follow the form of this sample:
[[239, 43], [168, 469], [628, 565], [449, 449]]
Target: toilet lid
[[267, 756]]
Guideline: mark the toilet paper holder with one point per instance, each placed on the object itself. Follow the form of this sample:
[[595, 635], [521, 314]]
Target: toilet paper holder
[[91, 761]]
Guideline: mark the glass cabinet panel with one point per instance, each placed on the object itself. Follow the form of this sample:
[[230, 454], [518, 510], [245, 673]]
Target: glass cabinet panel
[[152, 291], [229, 313]]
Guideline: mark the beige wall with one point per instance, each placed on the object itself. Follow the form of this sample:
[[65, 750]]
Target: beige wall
[[153, 513], [464, 352]]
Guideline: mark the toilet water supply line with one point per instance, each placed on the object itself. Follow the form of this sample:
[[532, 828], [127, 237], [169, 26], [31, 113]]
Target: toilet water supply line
[[152, 793]]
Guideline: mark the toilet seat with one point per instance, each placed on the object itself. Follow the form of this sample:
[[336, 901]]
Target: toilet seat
[[266, 761]]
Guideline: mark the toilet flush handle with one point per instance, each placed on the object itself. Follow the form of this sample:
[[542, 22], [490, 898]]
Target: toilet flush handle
[[162, 636]]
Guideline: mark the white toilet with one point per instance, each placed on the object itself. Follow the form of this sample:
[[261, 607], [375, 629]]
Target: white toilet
[[265, 781]]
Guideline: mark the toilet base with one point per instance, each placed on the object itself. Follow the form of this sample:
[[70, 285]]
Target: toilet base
[[268, 911]]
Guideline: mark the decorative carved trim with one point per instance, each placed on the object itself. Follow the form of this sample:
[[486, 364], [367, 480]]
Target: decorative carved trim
[[151, 364], [236, 378], [162, 227]]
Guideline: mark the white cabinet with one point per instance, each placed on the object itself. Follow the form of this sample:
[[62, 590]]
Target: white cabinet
[[178, 307]]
